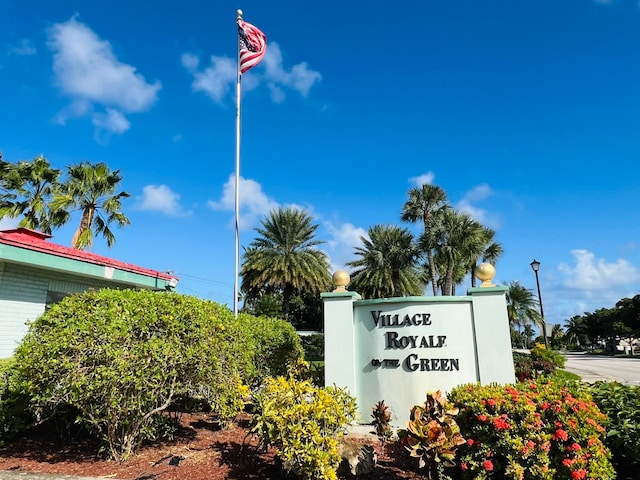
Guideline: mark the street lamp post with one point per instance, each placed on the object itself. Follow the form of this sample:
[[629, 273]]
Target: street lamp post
[[535, 266]]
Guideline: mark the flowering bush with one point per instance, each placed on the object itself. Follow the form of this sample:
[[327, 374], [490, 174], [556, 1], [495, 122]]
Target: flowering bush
[[544, 430], [540, 352], [304, 423]]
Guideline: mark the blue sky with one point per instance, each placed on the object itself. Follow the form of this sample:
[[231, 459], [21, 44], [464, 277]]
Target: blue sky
[[526, 113]]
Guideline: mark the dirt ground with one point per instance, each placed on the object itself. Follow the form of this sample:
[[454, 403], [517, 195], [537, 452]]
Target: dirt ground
[[201, 451]]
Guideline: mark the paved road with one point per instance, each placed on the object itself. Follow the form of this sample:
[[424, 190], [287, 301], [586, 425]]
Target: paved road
[[593, 368]]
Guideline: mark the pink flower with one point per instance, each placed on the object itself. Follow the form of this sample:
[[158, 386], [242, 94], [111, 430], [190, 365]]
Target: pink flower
[[482, 418], [567, 462], [488, 465], [491, 402], [464, 466], [470, 441]]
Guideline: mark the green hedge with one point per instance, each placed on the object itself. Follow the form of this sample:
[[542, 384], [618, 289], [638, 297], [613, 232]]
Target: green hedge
[[121, 357], [621, 403]]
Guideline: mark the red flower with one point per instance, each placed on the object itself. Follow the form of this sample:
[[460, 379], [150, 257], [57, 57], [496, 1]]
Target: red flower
[[501, 424], [464, 466], [560, 435], [470, 441], [567, 462], [488, 466], [491, 402], [579, 474], [482, 418]]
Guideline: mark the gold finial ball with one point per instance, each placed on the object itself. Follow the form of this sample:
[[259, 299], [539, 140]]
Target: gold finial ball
[[239, 12], [341, 279], [485, 272]]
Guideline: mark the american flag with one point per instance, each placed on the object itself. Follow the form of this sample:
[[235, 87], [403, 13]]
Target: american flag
[[253, 45]]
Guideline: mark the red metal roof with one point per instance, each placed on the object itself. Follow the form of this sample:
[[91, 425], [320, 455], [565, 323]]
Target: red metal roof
[[37, 241]]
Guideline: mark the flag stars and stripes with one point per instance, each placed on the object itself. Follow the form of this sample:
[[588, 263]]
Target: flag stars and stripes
[[252, 44]]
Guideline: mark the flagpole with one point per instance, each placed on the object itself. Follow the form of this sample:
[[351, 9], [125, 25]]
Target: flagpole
[[237, 181]]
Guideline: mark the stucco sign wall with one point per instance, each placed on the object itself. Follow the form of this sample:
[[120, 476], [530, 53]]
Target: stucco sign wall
[[399, 349]]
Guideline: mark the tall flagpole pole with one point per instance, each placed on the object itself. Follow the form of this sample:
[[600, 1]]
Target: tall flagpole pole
[[237, 181]]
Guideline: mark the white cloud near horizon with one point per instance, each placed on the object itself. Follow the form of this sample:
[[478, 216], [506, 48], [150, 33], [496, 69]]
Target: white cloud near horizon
[[217, 79], [344, 237], [24, 48], [340, 238], [591, 273], [254, 202], [86, 70], [160, 198]]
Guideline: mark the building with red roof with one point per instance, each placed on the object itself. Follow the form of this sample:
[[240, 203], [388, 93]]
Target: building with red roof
[[35, 273]]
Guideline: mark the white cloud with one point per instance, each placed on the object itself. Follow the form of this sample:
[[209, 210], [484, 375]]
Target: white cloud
[[217, 80], [476, 194], [24, 48], [298, 78], [343, 240], [591, 273], [160, 198], [254, 202], [86, 70], [424, 179], [111, 121]]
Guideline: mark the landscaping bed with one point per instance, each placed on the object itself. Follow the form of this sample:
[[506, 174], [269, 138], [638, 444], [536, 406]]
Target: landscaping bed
[[201, 450]]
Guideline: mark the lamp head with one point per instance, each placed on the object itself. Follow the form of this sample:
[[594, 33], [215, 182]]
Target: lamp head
[[535, 265]]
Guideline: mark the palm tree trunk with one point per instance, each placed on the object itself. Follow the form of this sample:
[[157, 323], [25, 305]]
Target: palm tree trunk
[[473, 275], [395, 280], [287, 293], [432, 272], [85, 224]]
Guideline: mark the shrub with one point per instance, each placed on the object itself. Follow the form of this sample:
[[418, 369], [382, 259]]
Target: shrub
[[121, 357], [313, 347], [539, 352], [274, 344], [621, 403], [526, 367], [15, 416], [432, 434], [303, 423], [381, 415], [543, 430]]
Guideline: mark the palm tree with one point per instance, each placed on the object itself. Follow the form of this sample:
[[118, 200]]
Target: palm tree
[[284, 258], [557, 336], [90, 188], [27, 189], [522, 306], [426, 204], [491, 251], [458, 239], [388, 264]]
